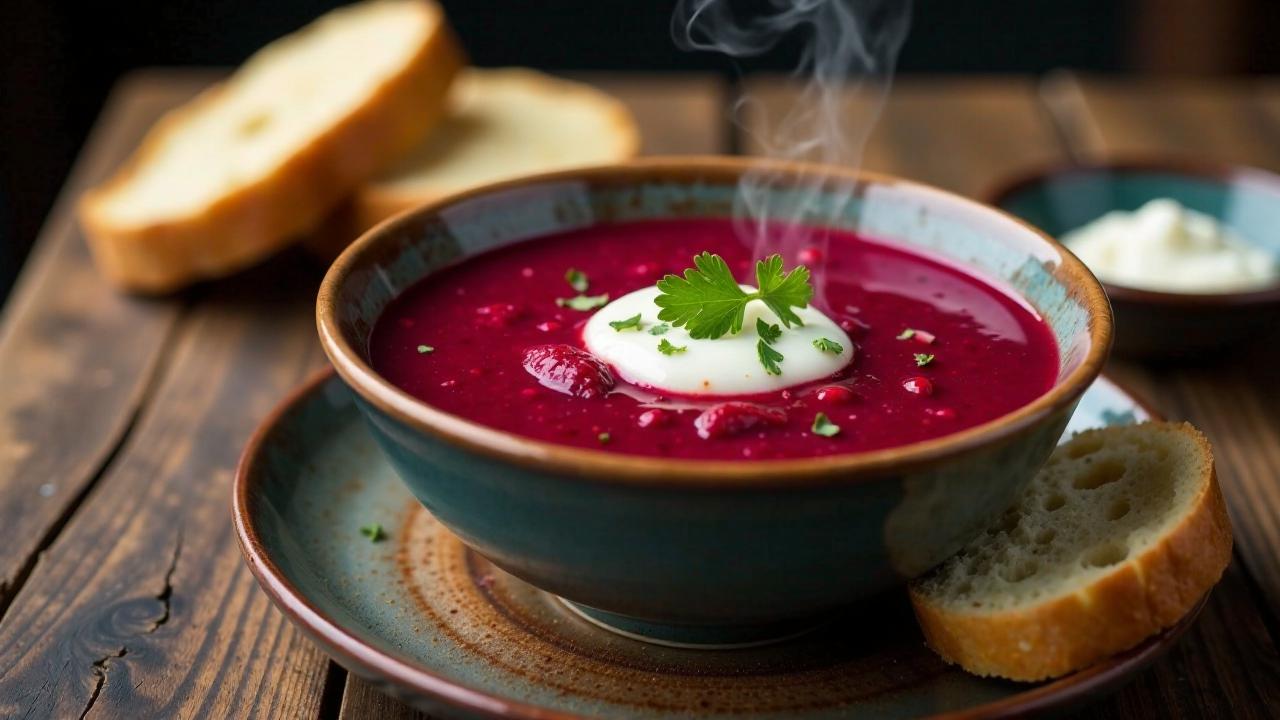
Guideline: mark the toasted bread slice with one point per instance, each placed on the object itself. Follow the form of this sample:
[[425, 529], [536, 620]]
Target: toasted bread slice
[[239, 171], [503, 123], [1117, 538]]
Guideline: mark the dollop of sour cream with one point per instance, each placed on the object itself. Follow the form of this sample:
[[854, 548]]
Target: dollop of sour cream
[[1163, 246], [728, 365]]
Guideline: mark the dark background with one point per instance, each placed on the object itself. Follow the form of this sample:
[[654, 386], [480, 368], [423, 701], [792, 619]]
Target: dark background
[[58, 60]]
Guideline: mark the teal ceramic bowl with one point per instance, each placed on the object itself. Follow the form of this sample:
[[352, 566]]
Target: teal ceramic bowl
[[709, 552], [1159, 324]]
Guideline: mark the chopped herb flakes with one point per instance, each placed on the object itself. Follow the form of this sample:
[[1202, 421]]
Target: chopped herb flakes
[[666, 348], [584, 303], [823, 426], [374, 532], [425, 349], [828, 345], [577, 280], [604, 438], [923, 359], [906, 334], [768, 333], [631, 323], [769, 357], [659, 329]]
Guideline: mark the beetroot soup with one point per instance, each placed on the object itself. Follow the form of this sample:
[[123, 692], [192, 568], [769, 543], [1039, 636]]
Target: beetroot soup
[[561, 339]]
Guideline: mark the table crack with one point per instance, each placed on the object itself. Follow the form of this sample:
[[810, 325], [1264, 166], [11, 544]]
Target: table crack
[[100, 675], [165, 595]]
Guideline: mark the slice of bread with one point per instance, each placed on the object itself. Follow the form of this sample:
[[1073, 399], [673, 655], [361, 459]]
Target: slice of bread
[[502, 123], [1116, 538], [246, 166]]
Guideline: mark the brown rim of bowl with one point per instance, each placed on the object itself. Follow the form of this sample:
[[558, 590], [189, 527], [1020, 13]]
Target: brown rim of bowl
[[1223, 173], [601, 465], [352, 651]]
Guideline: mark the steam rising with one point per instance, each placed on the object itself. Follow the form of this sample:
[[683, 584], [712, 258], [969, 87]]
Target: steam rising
[[850, 51]]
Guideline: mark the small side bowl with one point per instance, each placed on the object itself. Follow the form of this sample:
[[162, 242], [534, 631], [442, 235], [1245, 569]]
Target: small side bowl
[[709, 552], [1154, 325]]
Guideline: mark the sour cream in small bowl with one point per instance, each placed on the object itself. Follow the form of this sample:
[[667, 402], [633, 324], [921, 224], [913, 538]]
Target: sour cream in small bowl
[[1189, 253]]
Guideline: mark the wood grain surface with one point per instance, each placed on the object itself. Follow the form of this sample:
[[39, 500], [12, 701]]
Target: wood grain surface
[[962, 135], [75, 355], [142, 606], [122, 593], [677, 114]]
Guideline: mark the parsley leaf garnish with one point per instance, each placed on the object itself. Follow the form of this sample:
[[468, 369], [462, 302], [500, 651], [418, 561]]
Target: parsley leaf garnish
[[666, 348], [823, 426], [781, 291], [906, 334], [828, 345], [708, 302], [659, 329], [631, 323], [425, 349], [923, 359], [577, 280], [769, 357], [768, 333], [374, 532], [584, 303]]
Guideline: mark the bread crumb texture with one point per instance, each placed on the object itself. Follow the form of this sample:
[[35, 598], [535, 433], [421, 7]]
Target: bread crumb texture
[[1117, 537]]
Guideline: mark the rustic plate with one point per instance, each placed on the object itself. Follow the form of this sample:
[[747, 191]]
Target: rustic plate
[[434, 623]]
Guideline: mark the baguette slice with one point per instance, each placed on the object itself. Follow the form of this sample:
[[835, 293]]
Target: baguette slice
[[1117, 538], [502, 123], [239, 171]]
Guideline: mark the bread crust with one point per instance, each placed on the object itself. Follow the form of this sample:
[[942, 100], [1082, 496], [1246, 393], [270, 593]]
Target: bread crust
[[257, 219], [1142, 596], [376, 201]]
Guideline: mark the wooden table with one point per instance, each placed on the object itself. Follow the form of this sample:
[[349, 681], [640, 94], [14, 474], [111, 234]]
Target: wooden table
[[122, 591]]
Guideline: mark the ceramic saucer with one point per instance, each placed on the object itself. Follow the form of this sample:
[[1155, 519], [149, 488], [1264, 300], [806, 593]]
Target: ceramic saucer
[[436, 624]]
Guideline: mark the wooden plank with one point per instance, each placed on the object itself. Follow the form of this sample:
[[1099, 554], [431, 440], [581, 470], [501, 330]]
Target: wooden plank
[[143, 607], [1233, 399], [966, 135], [362, 701], [76, 357], [1223, 120], [677, 115], [961, 135], [680, 115]]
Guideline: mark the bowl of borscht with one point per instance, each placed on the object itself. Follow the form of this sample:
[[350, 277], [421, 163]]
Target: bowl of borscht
[[699, 429]]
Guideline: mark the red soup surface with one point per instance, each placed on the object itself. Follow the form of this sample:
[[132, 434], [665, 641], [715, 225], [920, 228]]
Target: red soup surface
[[458, 341]]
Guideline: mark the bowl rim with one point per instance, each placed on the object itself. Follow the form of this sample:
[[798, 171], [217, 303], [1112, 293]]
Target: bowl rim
[[1219, 172], [602, 465]]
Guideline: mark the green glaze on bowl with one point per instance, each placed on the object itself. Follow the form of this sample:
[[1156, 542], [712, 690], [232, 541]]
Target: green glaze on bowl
[[1157, 324], [434, 622], [709, 550]]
